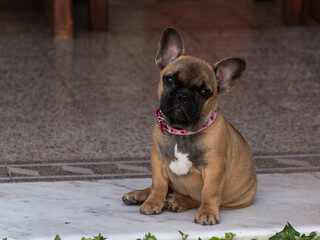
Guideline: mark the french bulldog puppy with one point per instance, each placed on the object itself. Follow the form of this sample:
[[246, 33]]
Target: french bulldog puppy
[[199, 160]]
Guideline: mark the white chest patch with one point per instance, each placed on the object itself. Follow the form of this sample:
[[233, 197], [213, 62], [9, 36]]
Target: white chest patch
[[182, 165]]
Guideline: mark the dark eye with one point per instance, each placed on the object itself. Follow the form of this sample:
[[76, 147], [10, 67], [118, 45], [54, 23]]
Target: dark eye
[[168, 80], [205, 92]]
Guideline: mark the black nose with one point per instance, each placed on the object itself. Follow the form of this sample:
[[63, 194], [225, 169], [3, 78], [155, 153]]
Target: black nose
[[182, 98]]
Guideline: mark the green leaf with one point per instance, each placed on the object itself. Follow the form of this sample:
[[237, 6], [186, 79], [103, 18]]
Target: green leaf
[[292, 233], [288, 233], [148, 237], [304, 237], [184, 236], [215, 238], [229, 235], [57, 237], [99, 237]]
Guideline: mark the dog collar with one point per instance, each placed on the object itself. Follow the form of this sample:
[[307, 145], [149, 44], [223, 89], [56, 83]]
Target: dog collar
[[159, 121]]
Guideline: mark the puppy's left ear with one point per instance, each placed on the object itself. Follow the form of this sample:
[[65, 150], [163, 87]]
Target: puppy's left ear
[[227, 72]]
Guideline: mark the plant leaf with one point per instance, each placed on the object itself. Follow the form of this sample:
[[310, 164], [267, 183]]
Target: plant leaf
[[184, 236], [148, 237], [304, 237], [215, 238], [292, 233], [229, 235], [57, 237], [288, 233], [99, 237]]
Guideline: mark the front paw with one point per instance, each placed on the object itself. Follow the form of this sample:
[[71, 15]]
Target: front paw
[[207, 217], [177, 202], [152, 206], [136, 197]]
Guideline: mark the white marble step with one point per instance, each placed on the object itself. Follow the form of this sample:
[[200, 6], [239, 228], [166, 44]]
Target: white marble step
[[39, 211]]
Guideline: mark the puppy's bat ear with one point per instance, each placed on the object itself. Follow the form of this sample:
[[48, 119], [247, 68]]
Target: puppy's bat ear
[[227, 72], [170, 47]]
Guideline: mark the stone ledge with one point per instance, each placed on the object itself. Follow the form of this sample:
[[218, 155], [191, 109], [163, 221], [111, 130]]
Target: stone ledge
[[85, 208]]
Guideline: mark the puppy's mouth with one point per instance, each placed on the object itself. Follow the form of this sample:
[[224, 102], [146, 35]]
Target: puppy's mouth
[[176, 117]]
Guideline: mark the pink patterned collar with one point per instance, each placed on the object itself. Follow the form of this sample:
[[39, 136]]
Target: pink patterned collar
[[159, 121]]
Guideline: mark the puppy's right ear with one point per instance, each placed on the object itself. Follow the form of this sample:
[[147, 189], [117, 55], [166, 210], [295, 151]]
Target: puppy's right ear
[[170, 47]]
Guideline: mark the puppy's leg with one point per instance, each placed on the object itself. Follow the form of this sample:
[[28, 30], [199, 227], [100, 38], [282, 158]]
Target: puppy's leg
[[177, 202], [159, 188], [208, 212], [136, 197]]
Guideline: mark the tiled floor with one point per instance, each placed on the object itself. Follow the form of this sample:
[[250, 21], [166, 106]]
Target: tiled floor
[[84, 108]]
